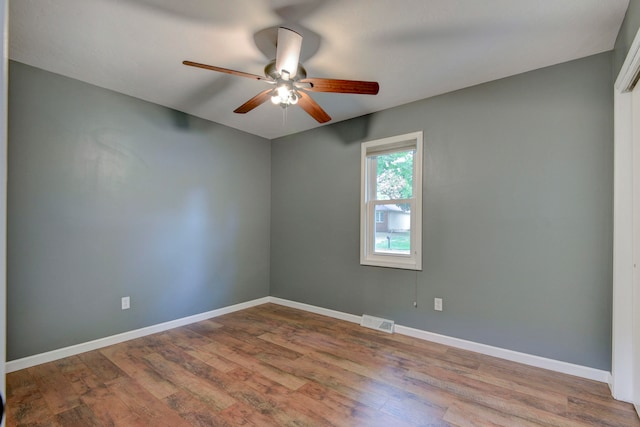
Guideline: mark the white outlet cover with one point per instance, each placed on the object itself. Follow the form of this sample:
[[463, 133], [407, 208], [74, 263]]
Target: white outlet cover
[[126, 303], [437, 304]]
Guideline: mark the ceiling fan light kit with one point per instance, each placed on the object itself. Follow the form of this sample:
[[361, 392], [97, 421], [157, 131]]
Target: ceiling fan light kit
[[285, 92], [290, 82], [285, 95]]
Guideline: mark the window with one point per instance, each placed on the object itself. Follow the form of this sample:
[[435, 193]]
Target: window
[[391, 202]]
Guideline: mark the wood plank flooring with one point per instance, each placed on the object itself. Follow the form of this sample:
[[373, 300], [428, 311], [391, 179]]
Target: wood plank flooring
[[276, 366]]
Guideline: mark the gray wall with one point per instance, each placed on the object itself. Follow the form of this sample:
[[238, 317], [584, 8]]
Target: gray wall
[[517, 215], [111, 196], [626, 35]]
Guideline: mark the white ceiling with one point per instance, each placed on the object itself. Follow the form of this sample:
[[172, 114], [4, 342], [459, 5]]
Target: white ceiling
[[415, 49]]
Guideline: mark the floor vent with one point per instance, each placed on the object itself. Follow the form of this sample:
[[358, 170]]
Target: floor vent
[[372, 322]]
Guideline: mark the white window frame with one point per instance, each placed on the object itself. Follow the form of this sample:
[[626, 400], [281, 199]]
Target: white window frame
[[368, 256]]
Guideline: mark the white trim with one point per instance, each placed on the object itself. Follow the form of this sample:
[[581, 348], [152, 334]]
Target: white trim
[[623, 340], [514, 356], [635, 285], [4, 72], [27, 362], [368, 255], [317, 310], [622, 321], [630, 67]]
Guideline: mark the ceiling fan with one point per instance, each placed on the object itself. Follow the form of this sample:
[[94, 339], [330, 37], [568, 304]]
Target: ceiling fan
[[289, 80]]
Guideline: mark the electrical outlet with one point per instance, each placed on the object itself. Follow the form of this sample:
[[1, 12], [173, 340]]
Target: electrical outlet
[[126, 303], [437, 304]]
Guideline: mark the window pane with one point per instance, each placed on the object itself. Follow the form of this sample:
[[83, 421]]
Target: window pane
[[394, 175], [393, 233]]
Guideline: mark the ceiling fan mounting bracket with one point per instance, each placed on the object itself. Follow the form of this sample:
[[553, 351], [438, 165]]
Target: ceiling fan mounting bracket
[[271, 71]]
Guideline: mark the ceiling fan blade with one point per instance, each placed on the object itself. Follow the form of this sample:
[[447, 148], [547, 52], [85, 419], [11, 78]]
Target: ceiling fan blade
[[225, 70], [257, 100], [313, 108], [341, 86], [288, 51]]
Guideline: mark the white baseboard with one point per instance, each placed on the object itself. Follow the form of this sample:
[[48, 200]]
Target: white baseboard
[[317, 310], [526, 359], [514, 356], [27, 362]]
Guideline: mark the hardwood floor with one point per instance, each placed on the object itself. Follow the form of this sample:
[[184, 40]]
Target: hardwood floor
[[276, 366]]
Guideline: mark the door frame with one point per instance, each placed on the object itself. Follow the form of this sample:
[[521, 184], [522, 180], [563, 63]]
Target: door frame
[[4, 28], [626, 244]]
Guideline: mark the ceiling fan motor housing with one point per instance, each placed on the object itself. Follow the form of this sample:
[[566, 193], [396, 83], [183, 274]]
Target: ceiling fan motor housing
[[271, 71]]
